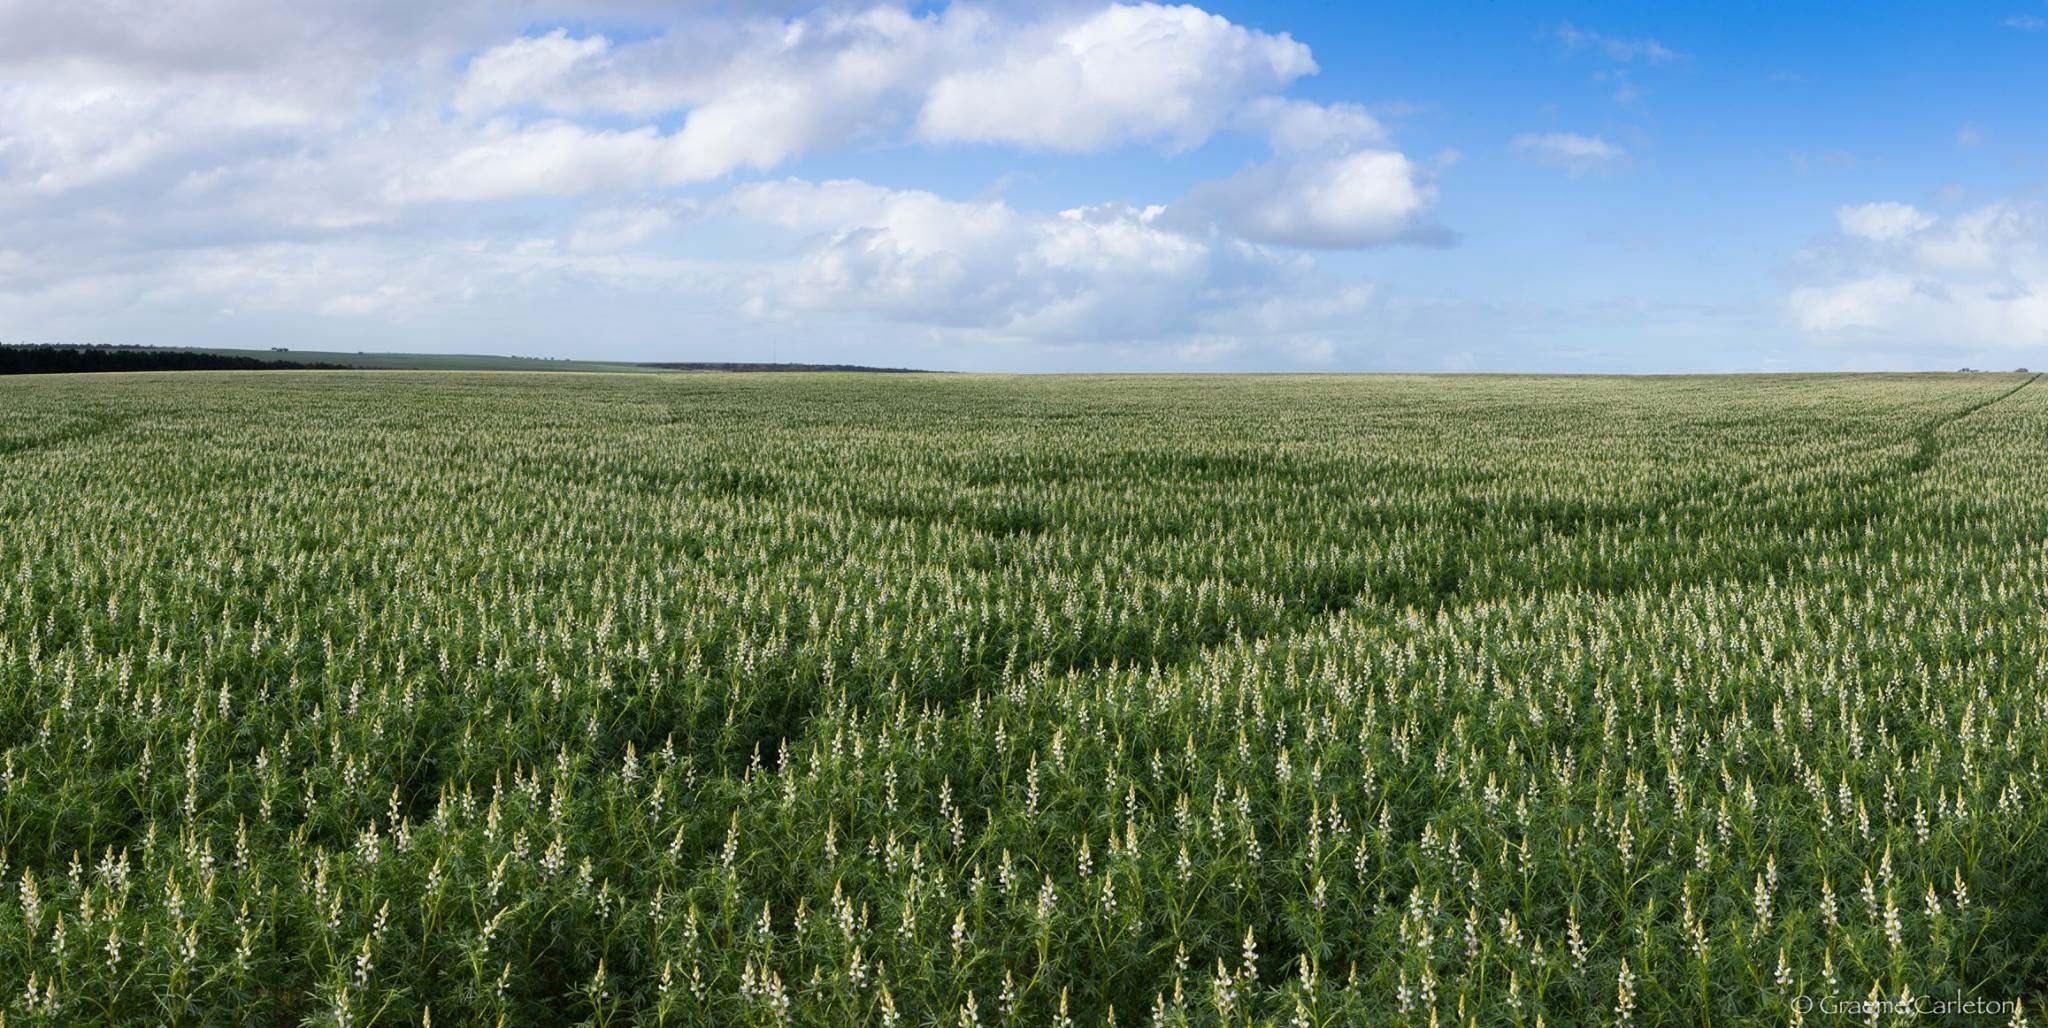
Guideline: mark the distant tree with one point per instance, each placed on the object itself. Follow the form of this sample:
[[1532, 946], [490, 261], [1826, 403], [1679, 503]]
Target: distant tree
[[52, 360]]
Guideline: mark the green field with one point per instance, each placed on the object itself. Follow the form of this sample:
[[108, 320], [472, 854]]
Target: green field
[[338, 697]]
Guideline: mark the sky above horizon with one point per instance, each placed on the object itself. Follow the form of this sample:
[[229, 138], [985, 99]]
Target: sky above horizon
[[1279, 186]]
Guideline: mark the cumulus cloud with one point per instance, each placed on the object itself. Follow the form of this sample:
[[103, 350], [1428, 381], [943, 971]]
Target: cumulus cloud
[[1301, 126], [1144, 72], [384, 160], [1105, 272], [1974, 279], [1576, 153], [756, 93], [1332, 184], [527, 69], [1344, 201], [560, 113], [829, 262], [848, 59], [752, 93]]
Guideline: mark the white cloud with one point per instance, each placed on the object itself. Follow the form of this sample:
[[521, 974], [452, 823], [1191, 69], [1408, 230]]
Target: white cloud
[[305, 144], [1938, 316], [1994, 238], [1882, 221], [875, 61], [1107, 272], [905, 254], [525, 70], [618, 228], [830, 262], [76, 128], [752, 92], [1337, 202], [1332, 183], [2026, 22], [1976, 279], [1138, 72], [1300, 126], [549, 113], [547, 158], [1569, 150], [1865, 303], [557, 114], [377, 161], [756, 93]]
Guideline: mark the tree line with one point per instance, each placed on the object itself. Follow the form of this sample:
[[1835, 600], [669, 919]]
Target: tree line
[[56, 360]]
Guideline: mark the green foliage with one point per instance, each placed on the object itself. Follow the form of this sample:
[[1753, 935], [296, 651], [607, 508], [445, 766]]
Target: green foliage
[[353, 699]]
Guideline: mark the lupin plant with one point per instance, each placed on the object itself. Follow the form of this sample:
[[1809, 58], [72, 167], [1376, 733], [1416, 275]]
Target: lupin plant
[[351, 698]]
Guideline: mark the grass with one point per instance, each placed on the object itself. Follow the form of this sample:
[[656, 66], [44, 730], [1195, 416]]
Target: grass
[[345, 698]]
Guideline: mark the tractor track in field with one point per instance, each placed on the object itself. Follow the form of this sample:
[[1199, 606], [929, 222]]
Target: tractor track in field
[[1930, 447], [1447, 587], [1447, 590]]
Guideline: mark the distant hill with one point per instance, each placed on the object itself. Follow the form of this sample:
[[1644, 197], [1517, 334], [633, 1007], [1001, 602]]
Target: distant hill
[[765, 366]]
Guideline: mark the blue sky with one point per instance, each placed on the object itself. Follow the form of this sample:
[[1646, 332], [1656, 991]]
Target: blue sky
[[1054, 186]]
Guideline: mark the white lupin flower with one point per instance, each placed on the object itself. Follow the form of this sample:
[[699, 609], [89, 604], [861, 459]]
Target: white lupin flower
[[1624, 995]]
